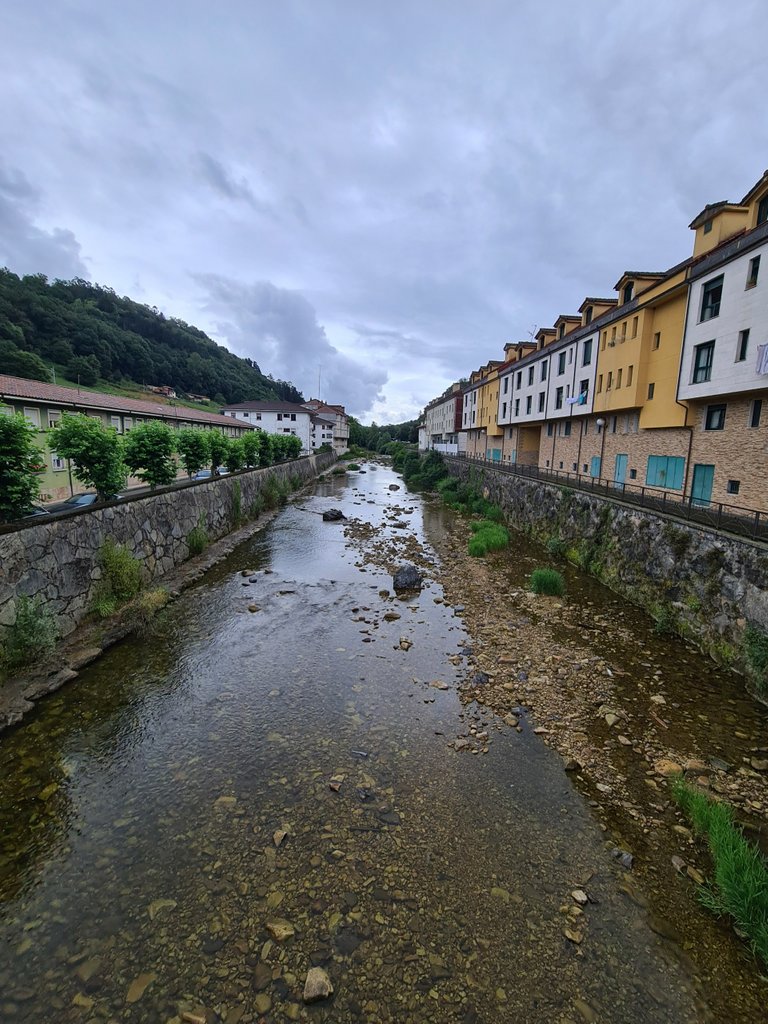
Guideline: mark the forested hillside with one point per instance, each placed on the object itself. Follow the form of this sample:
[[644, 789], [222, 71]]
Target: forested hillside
[[92, 335]]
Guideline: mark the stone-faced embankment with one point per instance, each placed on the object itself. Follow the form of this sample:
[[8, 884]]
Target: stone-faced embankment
[[58, 560]]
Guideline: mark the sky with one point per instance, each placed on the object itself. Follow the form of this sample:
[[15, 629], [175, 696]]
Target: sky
[[375, 197]]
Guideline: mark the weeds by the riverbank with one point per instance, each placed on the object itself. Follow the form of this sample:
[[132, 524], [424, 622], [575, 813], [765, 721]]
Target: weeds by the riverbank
[[488, 536], [740, 886], [32, 634], [547, 581]]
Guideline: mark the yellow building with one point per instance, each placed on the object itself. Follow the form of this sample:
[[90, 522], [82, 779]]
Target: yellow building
[[479, 412]]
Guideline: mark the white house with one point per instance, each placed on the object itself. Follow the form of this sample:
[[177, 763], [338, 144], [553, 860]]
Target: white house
[[443, 421], [329, 415], [276, 418]]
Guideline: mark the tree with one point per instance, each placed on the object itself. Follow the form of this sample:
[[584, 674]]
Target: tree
[[219, 446], [235, 456], [267, 454], [94, 450], [252, 447], [18, 363], [293, 447], [19, 459], [192, 445], [84, 370], [149, 452]]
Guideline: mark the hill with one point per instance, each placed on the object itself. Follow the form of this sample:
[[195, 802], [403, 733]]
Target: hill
[[90, 334]]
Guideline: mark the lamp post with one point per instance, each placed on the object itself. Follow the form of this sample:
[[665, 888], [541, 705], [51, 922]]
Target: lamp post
[[601, 427]]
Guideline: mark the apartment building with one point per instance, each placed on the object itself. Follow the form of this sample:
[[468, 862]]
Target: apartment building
[[479, 409], [43, 405], [275, 418], [443, 422], [724, 366], [326, 414]]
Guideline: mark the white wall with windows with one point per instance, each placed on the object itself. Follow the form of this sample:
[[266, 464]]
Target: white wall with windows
[[726, 325], [572, 374], [298, 423], [523, 390]]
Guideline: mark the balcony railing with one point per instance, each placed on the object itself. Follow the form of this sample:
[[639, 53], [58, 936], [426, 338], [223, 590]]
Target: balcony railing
[[745, 522]]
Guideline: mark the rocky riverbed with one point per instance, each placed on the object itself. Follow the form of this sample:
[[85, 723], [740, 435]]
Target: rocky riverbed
[[307, 797]]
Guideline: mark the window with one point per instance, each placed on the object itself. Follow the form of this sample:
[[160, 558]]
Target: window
[[754, 270], [741, 348], [293, 417], [559, 398], [588, 315], [600, 382], [258, 415], [762, 210], [618, 378], [715, 417], [519, 380], [506, 384], [707, 226], [609, 382], [114, 421], [530, 375], [702, 362], [586, 427], [561, 465], [57, 463], [657, 339], [586, 357], [504, 410], [754, 412], [634, 327], [585, 467], [614, 424], [567, 428], [630, 373], [528, 403], [574, 466], [541, 401], [665, 471], [544, 370], [605, 338], [561, 331], [279, 416], [550, 431], [651, 389], [517, 407], [54, 418], [628, 290], [570, 356], [561, 363], [583, 387], [711, 294], [32, 416], [732, 486], [613, 334], [633, 474]]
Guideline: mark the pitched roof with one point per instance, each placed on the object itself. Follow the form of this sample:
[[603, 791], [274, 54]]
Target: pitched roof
[[76, 399], [267, 407]]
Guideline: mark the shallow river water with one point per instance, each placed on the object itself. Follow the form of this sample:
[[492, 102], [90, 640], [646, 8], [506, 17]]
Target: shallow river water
[[139, 871]]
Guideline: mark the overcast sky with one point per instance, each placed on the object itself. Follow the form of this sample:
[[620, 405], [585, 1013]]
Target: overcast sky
[[389, 191]]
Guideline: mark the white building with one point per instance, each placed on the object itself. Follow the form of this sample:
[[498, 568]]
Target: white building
[[333, 417], [443, 422], [276, 418]]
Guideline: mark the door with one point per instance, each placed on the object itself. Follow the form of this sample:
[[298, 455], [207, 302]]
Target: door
[[701, 488], [620, 470], [594, 466]]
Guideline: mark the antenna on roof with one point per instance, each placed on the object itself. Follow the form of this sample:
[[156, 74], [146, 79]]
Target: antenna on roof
[[532, 332]]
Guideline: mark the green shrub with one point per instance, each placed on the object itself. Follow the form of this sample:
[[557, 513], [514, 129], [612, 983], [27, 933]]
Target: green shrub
[[146, 606], [121, 579], [197, 538], [339, 471], [295, 481], [352, 465], [756, 652], [740, 884], [31, 635], [257, 507], [556, 546], [488, 536], [271, 492], [547, 581]]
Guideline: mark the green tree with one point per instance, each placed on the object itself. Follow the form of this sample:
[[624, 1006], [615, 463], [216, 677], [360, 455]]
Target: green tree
[[219, 446], [17, 363], [252, 447], [193, 448], [149, 452], [19, 458], [293, 447], [94, 450], [84, 370], [267, 454], [235, 457]]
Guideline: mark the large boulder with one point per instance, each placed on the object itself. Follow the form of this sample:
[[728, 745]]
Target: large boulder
[[333, 515], [407, 577]]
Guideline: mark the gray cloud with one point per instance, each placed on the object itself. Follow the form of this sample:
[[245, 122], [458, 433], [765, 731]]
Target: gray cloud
[[26, 247], [279, 329], [431, 179]]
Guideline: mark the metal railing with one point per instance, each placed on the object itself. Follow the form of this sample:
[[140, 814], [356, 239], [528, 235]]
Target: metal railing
[[745, 522]]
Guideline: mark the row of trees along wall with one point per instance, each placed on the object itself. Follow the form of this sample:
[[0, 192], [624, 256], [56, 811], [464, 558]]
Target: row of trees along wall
[[57, 562], [709, 587]]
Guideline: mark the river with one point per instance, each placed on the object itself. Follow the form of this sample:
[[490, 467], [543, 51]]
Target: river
[[271, 753]]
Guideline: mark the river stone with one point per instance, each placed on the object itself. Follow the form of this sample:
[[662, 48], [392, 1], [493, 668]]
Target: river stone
[[669, 769], [262, 976], [139, 986], [407, 577], [280, 929], [333, 515], [317, 985]]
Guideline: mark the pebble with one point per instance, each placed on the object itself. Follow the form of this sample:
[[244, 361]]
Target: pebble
[[317, 985]]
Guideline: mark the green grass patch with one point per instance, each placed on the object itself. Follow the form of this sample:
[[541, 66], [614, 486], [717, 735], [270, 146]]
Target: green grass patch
[[547, 581], [557, 547], [121, 579], [740, 884], [352, 465], [488, 536], [756, 652], [197, 538]]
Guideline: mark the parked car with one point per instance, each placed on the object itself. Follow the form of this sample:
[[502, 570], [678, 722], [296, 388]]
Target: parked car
[[79, 501], [35, 510], [205, 474]]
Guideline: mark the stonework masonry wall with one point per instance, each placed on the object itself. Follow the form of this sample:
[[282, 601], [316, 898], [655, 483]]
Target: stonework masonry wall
[[58, 561], [707, 586]]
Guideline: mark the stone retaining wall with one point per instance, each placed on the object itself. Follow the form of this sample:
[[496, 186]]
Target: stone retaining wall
[[58, 560], [707, 586]]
